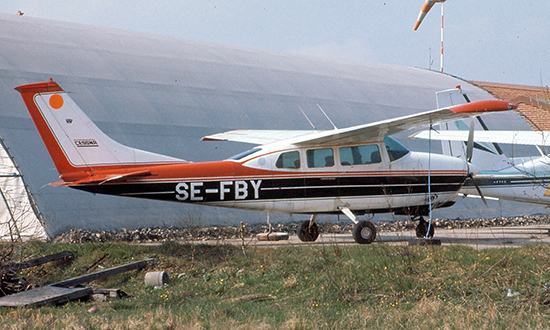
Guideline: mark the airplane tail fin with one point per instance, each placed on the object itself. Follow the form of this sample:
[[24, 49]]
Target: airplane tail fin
[[487, 156], [74, 142]]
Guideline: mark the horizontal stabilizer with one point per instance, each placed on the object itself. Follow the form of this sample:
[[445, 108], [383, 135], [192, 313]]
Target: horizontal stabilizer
[[105, 178], [58, 183]]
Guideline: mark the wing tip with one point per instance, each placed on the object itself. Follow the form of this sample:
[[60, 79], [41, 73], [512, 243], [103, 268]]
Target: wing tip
[[484, 106], [212, 139]]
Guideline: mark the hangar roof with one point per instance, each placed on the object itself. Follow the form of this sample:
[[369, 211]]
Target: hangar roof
[[534, 102]]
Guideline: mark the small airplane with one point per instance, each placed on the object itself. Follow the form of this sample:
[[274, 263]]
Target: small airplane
[[517, 179], [424, 11], [355, 170]]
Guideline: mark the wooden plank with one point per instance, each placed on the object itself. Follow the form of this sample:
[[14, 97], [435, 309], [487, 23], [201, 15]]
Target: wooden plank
[[45, 295], [101, 274], [95, 264], [35, 262]]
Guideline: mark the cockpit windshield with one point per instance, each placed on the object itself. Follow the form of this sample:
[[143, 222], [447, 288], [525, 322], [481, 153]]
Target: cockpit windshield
[[395, 149], [245, 153]]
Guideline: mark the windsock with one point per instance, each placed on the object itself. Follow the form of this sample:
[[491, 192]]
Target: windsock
[[425, 9]]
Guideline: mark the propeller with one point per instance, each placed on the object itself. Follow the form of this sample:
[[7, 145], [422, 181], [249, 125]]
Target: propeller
[[469, 154], [470, 142]]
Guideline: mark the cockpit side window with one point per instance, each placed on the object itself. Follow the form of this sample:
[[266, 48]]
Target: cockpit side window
[[395, 149], [359, 155], [320, 157], [290, 159]]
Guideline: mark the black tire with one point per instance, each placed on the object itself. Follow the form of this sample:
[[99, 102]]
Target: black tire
[[308, 232], [422, 229], [364, 232]]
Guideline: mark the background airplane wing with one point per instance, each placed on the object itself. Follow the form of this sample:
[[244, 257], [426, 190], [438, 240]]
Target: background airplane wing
[[536, 138], [366, 132]]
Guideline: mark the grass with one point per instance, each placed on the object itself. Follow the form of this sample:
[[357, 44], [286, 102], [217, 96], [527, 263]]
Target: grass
[[316, 287]]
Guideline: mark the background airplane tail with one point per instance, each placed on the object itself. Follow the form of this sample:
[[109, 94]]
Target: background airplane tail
[[74, 142], [486, 156]]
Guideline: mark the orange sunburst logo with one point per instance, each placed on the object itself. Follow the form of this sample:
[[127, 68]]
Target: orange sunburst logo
[[56, 101]]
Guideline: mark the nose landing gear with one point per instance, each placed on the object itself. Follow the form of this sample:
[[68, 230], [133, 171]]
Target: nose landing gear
[[309, 230]]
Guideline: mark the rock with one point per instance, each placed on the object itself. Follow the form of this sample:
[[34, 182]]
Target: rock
[[98, 297], [163, 234]]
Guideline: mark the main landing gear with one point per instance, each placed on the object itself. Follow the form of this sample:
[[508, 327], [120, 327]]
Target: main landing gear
[[309, 230], [364, 232], [422, 228]]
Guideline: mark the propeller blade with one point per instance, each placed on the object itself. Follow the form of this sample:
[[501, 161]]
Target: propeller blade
[[478, 190], [470, 143], [469, 154]]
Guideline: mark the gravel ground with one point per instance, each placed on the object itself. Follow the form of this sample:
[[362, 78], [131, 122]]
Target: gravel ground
[[162, 234]]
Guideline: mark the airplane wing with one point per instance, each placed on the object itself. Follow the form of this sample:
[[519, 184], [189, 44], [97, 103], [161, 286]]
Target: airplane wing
[[377, 130], [366, 132], [256, 136], [536, 138]]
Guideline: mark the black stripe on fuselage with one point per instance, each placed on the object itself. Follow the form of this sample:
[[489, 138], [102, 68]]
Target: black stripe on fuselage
[[279, 188], [499, 182]]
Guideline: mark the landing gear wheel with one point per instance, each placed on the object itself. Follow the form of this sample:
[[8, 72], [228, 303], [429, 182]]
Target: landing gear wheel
[[308, 231], [422, 229], [364, 232]]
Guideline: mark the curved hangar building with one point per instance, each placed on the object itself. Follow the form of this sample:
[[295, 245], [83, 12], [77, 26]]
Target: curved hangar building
[[163, 94]]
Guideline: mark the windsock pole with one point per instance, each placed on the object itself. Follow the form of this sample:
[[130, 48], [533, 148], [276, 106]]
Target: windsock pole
[[441, 58]]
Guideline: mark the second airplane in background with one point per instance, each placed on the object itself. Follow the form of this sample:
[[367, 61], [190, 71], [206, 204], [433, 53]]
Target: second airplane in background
[[520, 179]]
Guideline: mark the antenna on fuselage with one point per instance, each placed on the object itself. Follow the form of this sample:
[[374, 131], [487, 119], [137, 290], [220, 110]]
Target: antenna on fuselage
[[303, 113], [324, 113]]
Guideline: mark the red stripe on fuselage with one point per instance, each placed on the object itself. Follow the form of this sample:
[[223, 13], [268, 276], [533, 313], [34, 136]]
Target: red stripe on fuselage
[[219, 170]]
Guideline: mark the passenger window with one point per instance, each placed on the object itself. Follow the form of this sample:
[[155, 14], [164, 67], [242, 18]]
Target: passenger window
[[359, 155], [320, 158], [289, 159]]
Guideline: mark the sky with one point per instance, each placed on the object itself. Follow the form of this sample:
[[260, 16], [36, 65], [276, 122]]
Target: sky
[[493, 40]]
